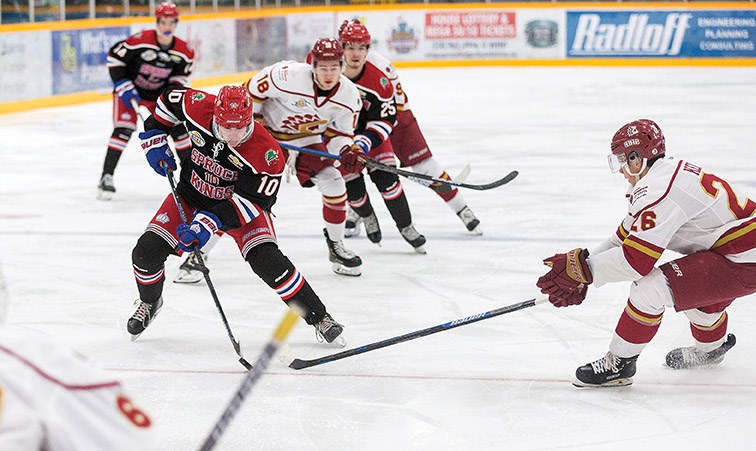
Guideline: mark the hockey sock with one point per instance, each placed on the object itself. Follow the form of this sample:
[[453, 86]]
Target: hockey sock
[[712, 334], [117, 144], [276, 270], [637, 327], [393, 196], [148, 259], [358, 197]]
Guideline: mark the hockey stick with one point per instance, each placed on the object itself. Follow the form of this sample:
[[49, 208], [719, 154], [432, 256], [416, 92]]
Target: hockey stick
[[417, 177], [282, 331], [298, 364], [206, 271]]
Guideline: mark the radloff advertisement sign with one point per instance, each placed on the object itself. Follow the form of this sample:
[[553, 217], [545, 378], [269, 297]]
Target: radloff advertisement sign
[[667, 34]]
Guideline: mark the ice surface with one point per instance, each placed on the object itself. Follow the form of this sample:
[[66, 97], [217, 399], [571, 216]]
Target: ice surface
[[503, 383]]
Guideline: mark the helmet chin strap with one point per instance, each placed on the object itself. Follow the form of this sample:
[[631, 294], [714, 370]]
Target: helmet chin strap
[[637, 175]]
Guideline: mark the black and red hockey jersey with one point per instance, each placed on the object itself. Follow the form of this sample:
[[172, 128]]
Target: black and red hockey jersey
[[150, 67], [236, 184], [378, 114]]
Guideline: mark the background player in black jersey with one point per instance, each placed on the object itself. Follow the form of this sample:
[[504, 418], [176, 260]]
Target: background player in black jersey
[[374, 126], [141, 67], [229, 182]]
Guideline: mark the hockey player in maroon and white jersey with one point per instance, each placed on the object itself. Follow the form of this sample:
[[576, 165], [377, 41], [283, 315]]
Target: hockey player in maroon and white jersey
[[299, 103], [53, 399], [408, 141], [376, 123], [230, 183], [677, 206], [141, 67]]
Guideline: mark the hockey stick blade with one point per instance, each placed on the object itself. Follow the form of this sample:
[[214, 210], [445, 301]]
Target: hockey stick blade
[[299, 364]]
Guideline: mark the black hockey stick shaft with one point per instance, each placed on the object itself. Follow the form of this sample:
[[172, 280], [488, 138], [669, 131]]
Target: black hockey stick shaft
[[298, 364], [417, 177], [254, 374], [206, 271]]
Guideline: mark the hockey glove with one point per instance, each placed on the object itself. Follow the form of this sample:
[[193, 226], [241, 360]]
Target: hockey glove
[[567, 281], [159, 155], [125, 90], [198, 233], [353, 158]]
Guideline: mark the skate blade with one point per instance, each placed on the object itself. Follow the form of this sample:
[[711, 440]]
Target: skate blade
[[349, 233], [187, 277], [420, 250], [339, 341], [105, 195], [623, 382], [134, 337], [345, 271], [476, 231]]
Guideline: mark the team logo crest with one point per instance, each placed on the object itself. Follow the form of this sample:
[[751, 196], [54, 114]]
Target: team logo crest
[[632, 130], [271, 156], [402, 39], [301, 103], [197, 96], [162, 218], [384, 81], [197, 139], [235, 161], [149, 55]]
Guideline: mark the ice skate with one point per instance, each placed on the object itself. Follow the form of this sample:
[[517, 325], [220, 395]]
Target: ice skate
[[690, 357], [608, 371], [145, 314], [106, 187], [471, 222], [190, 270], [352, 224], [414, 238], [372, 228], [344, 261], [328, 330]]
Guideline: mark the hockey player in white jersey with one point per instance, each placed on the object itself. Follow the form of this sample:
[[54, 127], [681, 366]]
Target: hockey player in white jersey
[[52, 399], [673, 205], [408, 141], [299, 104]]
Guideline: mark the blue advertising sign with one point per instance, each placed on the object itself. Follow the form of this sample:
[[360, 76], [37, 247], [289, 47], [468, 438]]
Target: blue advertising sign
[[80, 58], [661, 34]]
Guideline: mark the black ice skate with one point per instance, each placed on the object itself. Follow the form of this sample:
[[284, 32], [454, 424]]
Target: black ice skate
[[328, 330], [470, 221], [372, 228], [106, 187], [190, 270], [344, 261], [145, 314], [608, 371], [414, 238], [683, 358], [352, 224]]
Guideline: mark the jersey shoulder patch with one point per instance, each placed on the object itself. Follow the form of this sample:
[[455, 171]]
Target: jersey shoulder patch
[[182, 47], [374, 79], [263, 152]]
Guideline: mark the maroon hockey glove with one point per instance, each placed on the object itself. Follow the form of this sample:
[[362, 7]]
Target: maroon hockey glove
[[353, 158], [567, 281]]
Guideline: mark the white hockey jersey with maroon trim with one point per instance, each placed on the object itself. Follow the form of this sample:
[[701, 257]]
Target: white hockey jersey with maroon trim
[[286, 96], [681, 207], [52, 399]]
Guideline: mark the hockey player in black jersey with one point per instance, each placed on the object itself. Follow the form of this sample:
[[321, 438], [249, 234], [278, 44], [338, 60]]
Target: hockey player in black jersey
[[229, 182]]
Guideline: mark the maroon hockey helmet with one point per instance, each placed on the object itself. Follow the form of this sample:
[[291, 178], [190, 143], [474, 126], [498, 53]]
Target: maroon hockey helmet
[[354, 31], [327, 49], [642, 138], [167, 10], [233, 107]]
